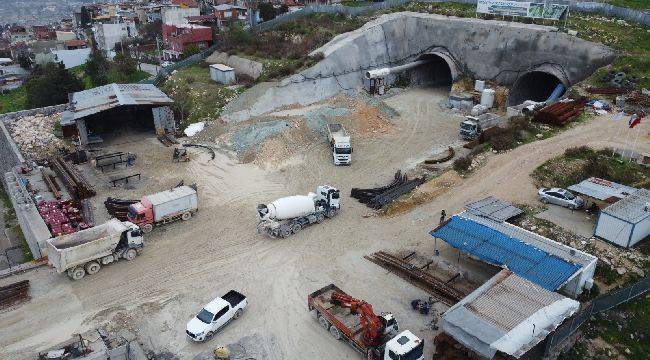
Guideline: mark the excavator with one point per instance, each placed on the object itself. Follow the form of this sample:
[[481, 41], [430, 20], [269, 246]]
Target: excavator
[[374, 327]]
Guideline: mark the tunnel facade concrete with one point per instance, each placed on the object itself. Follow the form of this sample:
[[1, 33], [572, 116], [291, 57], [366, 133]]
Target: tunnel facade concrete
[[504, 52]]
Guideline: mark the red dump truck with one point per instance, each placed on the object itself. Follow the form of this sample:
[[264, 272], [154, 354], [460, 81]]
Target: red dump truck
[[179, 203], [355, 322]]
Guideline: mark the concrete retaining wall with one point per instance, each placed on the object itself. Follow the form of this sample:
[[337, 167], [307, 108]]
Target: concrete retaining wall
[[483, 49], [241, 65]]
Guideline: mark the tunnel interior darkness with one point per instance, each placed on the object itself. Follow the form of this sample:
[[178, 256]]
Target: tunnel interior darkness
[[535, 85], [435, 74]]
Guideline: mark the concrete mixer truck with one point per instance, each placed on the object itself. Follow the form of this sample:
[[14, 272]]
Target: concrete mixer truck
[[288, 215]]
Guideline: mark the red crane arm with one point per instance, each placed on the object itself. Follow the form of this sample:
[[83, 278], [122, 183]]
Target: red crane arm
[[372, 325]]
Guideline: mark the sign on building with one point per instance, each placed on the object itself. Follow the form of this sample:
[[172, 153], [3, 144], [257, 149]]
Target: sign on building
[[534, 10]]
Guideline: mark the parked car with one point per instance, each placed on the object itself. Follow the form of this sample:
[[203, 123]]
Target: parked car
[[560, 197], [216, 315], [166, 64]]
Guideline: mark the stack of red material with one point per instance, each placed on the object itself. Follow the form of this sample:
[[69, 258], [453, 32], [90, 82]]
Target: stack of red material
[[62, 217], [559, 113]]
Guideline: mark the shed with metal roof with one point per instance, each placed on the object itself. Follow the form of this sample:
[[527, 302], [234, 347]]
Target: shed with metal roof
[[114, 107], [627, 221], [547, 263], [601, 189]]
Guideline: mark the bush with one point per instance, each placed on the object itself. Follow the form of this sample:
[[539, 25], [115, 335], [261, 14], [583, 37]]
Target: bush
[[463, 163], [576, 152], [503, 139]]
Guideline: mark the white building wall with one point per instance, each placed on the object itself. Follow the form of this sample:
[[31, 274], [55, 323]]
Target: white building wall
[[613, 230], [108, 35], [641, 231], [178, 16]]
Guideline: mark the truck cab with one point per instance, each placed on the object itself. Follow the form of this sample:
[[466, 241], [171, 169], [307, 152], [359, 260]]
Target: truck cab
[[140, 213], [342, 150], [329, 197], [469, 128], [132, 238], [404, 346]]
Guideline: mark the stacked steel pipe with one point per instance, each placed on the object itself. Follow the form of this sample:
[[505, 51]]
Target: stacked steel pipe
[[13, 293], [559, 113], [76, 184], [377, 198], [118, 208]]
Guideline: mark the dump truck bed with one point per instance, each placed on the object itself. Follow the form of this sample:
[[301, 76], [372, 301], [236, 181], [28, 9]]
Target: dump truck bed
[[349, 324], [68, 251]]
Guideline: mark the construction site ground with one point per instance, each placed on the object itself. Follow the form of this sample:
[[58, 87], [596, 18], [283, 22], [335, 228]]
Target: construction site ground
[[185, 265]]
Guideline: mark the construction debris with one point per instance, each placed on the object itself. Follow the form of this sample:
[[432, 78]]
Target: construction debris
[[13, 293], [418, 277], [35, 137], [607, 90], [450, 155], [211, 150], [559, 113], [118, 208]]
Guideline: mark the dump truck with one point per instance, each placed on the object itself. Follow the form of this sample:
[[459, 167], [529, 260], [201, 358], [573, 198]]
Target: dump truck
[[473, 126], [340, 144], [179, 203], [288, 215], [354, 321], [86, 251]]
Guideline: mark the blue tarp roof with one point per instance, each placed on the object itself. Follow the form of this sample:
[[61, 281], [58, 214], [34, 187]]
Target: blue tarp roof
[[527, 261]]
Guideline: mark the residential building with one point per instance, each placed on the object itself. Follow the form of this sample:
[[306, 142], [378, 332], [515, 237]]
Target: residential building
[[226, 14], [20, 34], [43, 32], [177, 37], [178, 16], [65, 35], [186, 3], [107, 35], [74, 44]]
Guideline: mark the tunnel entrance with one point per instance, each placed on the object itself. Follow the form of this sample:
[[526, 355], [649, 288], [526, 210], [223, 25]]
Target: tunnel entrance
[[436, 73], [535, 85]]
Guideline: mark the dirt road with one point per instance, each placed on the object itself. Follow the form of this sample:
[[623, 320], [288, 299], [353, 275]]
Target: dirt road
[[185, 265]]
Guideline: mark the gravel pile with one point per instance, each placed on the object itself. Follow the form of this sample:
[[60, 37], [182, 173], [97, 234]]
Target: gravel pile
[[34, 135]]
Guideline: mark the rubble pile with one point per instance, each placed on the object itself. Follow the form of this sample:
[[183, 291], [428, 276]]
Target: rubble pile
[[34, 135]]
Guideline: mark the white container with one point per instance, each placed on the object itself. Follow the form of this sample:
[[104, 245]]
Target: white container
[[487, 98], [222, 74], [479, 85], [478, 110], [291, 207]]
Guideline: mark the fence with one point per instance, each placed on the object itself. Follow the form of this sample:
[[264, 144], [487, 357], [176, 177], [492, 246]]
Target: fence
[[190, 60], [599, 304]]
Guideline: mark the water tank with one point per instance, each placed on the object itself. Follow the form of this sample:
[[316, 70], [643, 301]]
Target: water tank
[[487, 98], [287, 208], [479, 85]]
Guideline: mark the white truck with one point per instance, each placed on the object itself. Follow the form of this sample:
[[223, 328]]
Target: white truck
[[473, 126], [288, 215], [216, 315], [85, 251], [340, 144], [178, 203]]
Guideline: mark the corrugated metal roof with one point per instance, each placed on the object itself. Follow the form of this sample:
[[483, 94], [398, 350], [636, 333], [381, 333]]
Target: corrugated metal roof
[[106, 97], [507, 249], [631, 208], [602, 189], [221, 67], [493, 208], [168, 195]]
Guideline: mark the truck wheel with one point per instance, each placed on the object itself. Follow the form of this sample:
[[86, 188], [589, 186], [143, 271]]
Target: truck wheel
[[331, 213], [146, 228], [237, 314], [296, 227], [336, 333], [285, 231], [320, 218], [78, 273], [186, 216], [92, 268], [130, 254], [323, 322]]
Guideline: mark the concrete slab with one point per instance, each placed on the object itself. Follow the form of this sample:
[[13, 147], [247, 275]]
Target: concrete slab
[[575, 221]]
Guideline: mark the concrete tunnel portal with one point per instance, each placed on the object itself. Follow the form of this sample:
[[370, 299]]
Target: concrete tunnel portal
[[534, 85]]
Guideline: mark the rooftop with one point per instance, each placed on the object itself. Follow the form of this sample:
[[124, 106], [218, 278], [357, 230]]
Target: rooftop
[[602, 189], [531, 256], [632, 208], [502, 313], [493, 208], [92, 101], [221, 67]]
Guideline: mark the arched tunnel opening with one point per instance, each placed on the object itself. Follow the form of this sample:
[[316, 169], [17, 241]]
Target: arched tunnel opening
[[435, 73], [534, 85]]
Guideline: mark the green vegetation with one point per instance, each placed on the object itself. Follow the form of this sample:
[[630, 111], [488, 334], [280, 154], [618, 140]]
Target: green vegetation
[[196, 97], [50, 84], [632, 4], [9, 213], [582, 162], [623, 329], [444, 8], [13, 100]]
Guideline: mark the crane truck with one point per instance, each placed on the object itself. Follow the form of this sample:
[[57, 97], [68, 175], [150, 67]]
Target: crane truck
[[86, 251], [340, 144], [288, 215], [473, 126], [178, 203], [355, 322]]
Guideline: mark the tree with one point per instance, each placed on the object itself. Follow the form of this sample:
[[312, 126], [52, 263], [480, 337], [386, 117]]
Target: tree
[[24, 61], [150, 31], [124, 67], [97, 68], [50, 84], [267, 11], [190, 50], [283, 9]]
